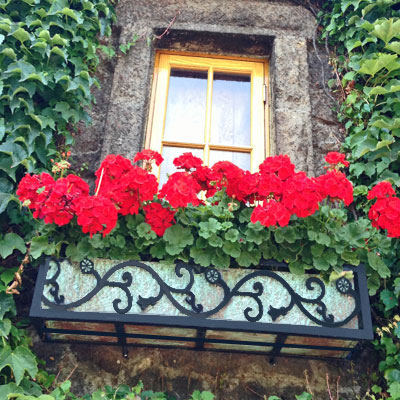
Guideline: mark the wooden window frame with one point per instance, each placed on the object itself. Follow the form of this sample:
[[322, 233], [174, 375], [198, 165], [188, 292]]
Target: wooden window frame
[[259, 126]]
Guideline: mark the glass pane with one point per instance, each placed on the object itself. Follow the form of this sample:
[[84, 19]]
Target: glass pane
[[242, 160], [230, 116], [186, 107], [169, 153]]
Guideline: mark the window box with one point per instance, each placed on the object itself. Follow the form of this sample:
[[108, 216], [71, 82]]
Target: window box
[[142, 303]]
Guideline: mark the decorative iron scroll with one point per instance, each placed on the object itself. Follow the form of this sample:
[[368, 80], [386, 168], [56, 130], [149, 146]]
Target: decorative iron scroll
[[213, 277]]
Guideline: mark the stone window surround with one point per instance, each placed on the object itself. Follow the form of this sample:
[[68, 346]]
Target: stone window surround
[[290, 113]]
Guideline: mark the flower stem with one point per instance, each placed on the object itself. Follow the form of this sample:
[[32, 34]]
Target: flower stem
[[101, 178]]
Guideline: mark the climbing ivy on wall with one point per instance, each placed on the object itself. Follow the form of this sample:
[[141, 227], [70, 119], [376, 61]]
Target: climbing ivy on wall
[[48, 59], [365, 37]]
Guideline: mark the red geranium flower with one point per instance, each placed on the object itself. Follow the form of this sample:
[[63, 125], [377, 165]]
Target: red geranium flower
[[300, 195], [34, 189], [149, 156], [158, 217], [96, 214], [279, 165], [385, 214], [188, 161], [112, 168], [381, 190], [244, 188], [180, 190], [335, 185], [335, 158], [271, 213], [58, 206]]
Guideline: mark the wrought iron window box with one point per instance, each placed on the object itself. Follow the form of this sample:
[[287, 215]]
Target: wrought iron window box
[[265, 310]]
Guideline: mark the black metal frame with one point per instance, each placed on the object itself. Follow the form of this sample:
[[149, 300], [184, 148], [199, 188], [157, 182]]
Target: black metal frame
[[196, 318]]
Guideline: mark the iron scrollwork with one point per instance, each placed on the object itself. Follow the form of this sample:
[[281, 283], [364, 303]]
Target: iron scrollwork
[[194, 308]]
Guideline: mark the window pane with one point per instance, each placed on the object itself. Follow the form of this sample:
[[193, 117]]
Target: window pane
[[169, 153], [242, 160], [230, 116], [186, 107]]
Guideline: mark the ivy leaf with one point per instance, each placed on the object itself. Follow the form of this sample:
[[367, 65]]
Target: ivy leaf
[[11, 387], [394, 46], [376, 263], [387, 30], [394, 390], [5, 326], [21, 35], [371, 67], [6, 304], [19, 360], [389, 299], [5, 198], [9, 243]]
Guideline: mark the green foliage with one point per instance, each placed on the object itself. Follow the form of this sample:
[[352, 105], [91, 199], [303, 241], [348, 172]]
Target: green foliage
[[366, 38], [48, 59]]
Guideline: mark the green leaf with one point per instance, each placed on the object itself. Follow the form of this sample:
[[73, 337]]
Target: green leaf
[[387, 30], [209, 227], [19, 360], [201, 256], [394, 390], [304, 396], [220, 259], [6, 305], [389, 299], [21, 35], [323, 239], [40, 245], [6, 198], [9, 243], [178, 235], [9, 52], [10, 388], [394, 46], [76, 15], [376, 263], [371, 67], [232, 235], [232, 249], [5, 326]]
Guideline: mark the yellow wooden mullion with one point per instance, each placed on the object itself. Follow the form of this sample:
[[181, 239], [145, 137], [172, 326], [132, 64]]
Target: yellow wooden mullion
[[207, 129]]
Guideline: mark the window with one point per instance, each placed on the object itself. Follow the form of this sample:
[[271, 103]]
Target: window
[[213, 107]]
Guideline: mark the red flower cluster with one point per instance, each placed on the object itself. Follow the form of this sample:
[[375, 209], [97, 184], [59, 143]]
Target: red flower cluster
[[180, 190], [335, 158], [33, 189], [149, 156], [96, 214], [59, 206], [335, 185], [126, 185], [158, 217], [188, 161], [122, 189], [271, 213], [52, 200], [385, 213]]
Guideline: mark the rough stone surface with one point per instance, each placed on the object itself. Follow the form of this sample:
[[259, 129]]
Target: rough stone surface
[[230, 376]]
